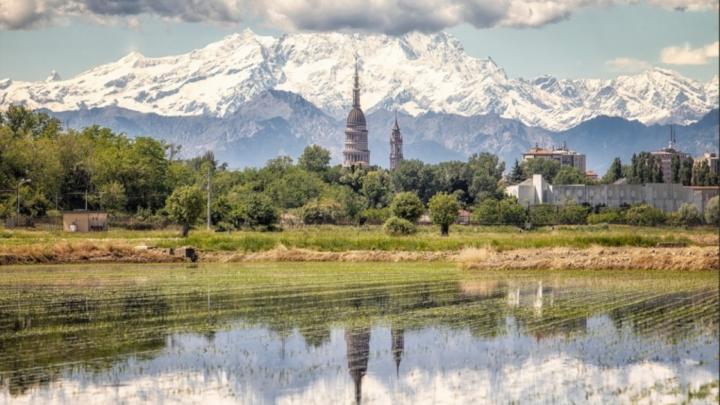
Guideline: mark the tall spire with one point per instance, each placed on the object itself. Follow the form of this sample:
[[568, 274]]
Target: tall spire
[[356, 85], [396, 127]]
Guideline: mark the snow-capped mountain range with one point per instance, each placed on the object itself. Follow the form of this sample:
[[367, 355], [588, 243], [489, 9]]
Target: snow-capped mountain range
[[414, 73]]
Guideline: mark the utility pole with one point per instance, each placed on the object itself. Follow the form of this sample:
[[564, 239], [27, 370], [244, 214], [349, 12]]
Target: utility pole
[[208, 196]]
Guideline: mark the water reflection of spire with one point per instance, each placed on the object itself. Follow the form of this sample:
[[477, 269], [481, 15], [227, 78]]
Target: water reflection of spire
[[358, 348], [538, 303], [398, 345]]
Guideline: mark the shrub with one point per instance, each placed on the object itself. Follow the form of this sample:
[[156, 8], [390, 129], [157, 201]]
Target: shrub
[[443, 211], [543, 215], [712, 211], [320, 212], [407, 205], [374, 216], [687, 215], [573, 214], [607, 216], [645, 215], [396, 226]]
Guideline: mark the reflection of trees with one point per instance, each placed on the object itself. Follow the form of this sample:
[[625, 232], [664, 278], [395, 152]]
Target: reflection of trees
[[672, 316], [96, 326]]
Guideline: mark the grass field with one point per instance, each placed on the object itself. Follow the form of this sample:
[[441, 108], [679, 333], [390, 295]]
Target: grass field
[[337, 239]]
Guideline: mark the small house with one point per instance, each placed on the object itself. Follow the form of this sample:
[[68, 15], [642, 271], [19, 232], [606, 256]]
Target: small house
[[84, 221]]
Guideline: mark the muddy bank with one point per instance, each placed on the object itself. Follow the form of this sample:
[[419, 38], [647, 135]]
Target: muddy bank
[[660, 258]]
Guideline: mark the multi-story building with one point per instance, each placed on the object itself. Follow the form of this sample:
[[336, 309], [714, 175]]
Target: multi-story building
[[666, 156], [565, 156], [712, 160]]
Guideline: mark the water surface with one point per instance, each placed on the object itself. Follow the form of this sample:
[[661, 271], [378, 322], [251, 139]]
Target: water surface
[[343, 333]]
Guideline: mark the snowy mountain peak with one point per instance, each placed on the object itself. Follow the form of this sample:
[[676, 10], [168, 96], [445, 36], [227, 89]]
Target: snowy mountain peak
[[53, 77], [415, 73]]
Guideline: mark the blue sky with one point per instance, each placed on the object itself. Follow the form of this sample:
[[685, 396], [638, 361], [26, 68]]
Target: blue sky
[[596, 41]]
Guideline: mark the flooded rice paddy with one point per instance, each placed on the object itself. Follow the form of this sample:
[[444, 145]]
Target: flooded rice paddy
[[343, 333]]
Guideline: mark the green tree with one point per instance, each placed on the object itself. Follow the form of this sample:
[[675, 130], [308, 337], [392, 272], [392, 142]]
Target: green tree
[[686, 171], [184, 206], [614, 173], [413, 175], [548, 168], [569, 175], [486, 170], [701, 175], [487, 212], [516, 174], [573, 214], [112, 196], [376, 188], [443, 211], [254, 210], [315, 159], [675, 169], [407, 205], [544, 214]]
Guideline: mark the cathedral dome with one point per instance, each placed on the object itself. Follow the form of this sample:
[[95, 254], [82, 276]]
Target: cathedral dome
[[356, 118]]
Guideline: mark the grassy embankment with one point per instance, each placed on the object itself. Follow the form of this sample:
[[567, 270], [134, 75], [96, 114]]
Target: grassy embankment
[[334, 243]]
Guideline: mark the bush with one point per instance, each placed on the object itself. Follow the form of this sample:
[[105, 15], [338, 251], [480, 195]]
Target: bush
[[573, 214], [407, 205], [687, 215], [255, 210], [645, 215], [543, 215], [395, 226], [712, 211], [374, 216], [320, 212], [607, 216]]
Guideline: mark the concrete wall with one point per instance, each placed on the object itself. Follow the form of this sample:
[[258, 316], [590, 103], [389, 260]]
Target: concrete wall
[[667, 197]]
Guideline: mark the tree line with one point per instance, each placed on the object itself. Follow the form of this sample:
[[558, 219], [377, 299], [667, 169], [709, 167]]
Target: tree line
[[45, 169]]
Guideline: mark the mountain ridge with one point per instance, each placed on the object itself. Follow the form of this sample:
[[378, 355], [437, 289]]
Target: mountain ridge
[[414, 73]]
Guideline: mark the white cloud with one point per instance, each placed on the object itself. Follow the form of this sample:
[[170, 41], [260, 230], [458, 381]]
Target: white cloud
[[685, 55], [388, 16], [627, 65]]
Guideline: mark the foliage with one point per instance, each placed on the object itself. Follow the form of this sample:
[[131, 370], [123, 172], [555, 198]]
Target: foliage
[[112, 196], [614, 173], [687, 215], [712, 211], [315, 159], [516, 174], [319, 212], [569, 175], [543, 215], [184, 206], [376, 188], [607, 216], [645, 215], [573, 214], [645, 168], [407, 205], [443, 211], [548, 168], [396, 226], [375, 216], [254, 210], [507, 211]]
